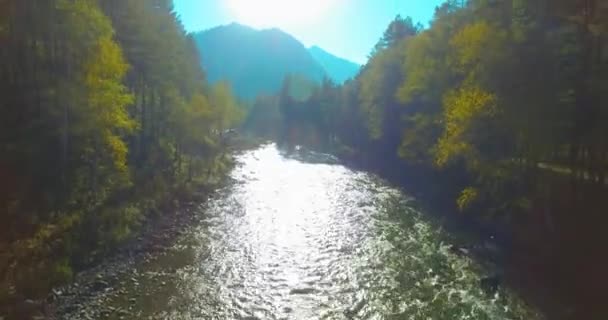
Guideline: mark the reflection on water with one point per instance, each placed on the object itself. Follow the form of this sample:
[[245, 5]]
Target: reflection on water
[[297, 240]]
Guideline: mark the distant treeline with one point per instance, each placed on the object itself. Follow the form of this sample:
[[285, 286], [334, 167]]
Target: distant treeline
[[105, 118], [501, 104]]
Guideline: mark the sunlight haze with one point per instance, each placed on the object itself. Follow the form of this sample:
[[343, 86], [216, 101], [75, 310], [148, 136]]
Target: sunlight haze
[[346, 28], [271, 13]]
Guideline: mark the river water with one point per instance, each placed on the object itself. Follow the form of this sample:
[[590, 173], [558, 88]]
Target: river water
[[301, 237]]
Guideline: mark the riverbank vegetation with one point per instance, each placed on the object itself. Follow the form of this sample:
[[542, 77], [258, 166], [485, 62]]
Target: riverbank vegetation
[[498, 108], [106, 120]]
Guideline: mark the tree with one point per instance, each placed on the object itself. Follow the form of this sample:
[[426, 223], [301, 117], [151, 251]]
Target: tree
[[106, 118], [399, 29]]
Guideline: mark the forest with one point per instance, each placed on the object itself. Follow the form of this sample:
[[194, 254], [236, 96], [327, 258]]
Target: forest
[[105, 121], [494, 114], [497, 111]]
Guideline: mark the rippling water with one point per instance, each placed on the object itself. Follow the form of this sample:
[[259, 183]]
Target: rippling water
[[291, 239]]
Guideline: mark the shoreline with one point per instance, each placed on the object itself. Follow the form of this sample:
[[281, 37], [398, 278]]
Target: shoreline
[[151, 238], [94, 282], [97, 281], [155, 235]]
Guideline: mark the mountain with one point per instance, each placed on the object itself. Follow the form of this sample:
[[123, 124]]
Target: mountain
[[254, 61], [337, 69]]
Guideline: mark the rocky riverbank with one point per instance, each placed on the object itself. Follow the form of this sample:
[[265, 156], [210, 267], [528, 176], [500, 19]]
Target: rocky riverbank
[[152, 238], [97, 283]]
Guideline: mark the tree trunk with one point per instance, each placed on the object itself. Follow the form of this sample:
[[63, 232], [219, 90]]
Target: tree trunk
[[190, 169], [142, 116]]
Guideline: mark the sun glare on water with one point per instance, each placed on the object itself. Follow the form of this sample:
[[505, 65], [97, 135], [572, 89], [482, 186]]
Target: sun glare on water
[[267, 13]]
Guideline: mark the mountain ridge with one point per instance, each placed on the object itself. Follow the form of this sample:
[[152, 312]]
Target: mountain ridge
[[338, 69], [255, 61]]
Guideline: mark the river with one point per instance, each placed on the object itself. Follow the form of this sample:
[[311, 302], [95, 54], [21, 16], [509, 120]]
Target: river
[[300, 236]]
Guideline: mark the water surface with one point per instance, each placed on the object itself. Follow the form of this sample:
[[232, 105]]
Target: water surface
[[300, 237]]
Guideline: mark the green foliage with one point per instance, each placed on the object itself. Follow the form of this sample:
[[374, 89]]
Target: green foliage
[[463, 108], [106, 115], [227, 110], [108, 98], [398, 30], [467, 196], [378, 87], [264, 117], [420, 128], [484, 98], [63, 272], [477, 46]]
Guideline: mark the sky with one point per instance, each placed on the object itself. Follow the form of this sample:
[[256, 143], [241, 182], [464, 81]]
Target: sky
[[346, 28]]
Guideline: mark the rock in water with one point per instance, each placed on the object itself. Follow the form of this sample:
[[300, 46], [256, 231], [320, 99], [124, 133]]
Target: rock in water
[[100, 285], [303, 291], [350, 313]]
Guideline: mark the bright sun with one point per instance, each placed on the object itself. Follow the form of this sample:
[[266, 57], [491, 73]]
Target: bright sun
[[265, 13]]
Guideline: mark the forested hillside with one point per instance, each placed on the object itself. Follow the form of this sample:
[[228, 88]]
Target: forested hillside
[[337, 69], [105, 121], [499, 109], [254, 61]]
